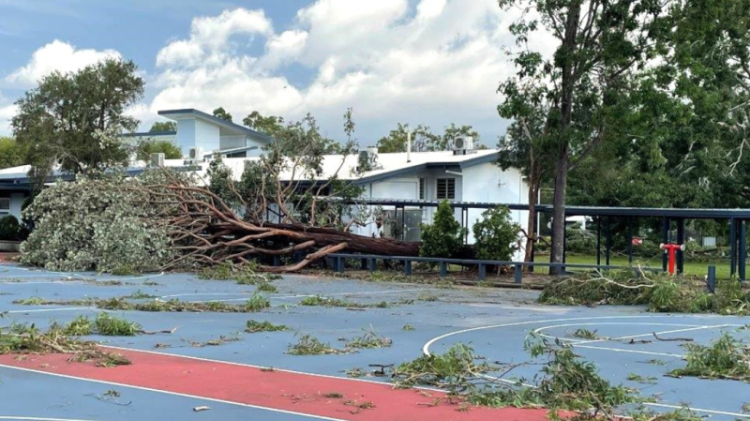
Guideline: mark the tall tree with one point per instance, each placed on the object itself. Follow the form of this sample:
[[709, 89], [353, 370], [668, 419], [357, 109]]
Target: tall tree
[[12, 153], [269, 125], [222, 114], [526, 146], [163, 126], [74, 119], [423, 139], [147, 147], [602, 45]]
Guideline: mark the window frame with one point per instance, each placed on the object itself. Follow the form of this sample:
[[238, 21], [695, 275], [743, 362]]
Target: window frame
[[450, 187]]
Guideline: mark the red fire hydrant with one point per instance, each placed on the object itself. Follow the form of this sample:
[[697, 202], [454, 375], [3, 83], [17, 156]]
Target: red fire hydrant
[[671, 248]]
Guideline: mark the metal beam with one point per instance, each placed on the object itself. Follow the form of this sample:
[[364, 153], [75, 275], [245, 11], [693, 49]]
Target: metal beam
[[742, 255]]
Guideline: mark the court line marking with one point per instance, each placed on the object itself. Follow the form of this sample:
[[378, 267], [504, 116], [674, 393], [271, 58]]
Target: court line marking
[[658, 333], [46, 310], [631, 351], [185, 395], [11, 417], [581, 341]]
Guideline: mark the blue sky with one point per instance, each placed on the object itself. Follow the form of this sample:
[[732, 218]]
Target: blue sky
[[431, 62]]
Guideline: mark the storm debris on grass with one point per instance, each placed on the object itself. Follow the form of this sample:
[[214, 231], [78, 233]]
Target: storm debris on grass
[[109, 325], [254, 326], [244, 275], [642, 379], [216, 342], [565, 381], [310, 345], [585, 334], [726, 358], [660, 293], [408, 328], [140, 295], [23, 339], [255, 303], [370, 340], [319, 300]]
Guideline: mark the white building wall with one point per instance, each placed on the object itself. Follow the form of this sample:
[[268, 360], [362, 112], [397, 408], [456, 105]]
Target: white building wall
[[487, 183], [196, 133], [231, 142]]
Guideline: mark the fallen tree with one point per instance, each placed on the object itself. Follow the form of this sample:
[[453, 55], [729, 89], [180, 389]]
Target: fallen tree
[[288, 209]]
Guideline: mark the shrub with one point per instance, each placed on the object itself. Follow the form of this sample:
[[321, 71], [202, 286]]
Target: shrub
[[495, 235], [444, 237], [97, 225], [10, 229]]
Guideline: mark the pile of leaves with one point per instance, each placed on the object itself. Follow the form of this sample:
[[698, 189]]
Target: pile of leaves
[[726, 358], [660, 293], [23, 339], [255, 303]]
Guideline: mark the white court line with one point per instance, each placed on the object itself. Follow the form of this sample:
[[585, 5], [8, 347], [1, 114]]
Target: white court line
[[46, 310], [630, 351], [11, 417], [580, 341], [619, 338], [185, 395], [708, 411]]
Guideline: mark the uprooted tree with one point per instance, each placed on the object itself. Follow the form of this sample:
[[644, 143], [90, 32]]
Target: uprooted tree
[[291, 202]]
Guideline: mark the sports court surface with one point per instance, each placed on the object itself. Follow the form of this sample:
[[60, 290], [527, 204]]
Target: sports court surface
[[169, 381]]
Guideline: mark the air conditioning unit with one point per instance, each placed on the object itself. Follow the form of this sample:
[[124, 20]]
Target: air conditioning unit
[[195, 154], [368, 159], [157, 159], [463, 143]]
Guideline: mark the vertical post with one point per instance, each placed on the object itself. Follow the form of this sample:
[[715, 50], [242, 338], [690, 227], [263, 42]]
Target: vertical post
[[276, 261], [517, 273], [711, 279], [338, 265], [482, 271], [664, 240], [371, 264], [403, 223], [630, 240], [363, 264], [443, 269], [407, 267], [533, 244], [598, 240], [732, 247], [680, 241], [608, 240], [466, 234], [742, 255]]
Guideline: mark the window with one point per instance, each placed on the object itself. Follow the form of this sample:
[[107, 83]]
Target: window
[[421, 188], [4, 205], [446, 188]]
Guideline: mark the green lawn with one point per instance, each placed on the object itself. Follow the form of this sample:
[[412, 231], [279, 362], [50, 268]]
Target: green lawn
[[691, 268]]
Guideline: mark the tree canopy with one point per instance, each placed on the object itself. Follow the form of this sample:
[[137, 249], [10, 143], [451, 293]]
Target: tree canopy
[[222, 114], [423, 139], [163, 126], [12, 153], [74, 119]]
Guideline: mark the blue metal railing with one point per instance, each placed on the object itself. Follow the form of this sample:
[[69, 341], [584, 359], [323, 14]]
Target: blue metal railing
[[369, 262]]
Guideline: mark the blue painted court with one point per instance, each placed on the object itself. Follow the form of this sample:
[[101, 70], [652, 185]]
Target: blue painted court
[[494, 321]]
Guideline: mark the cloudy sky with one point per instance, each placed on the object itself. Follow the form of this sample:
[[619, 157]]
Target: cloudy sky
[[412, 61]]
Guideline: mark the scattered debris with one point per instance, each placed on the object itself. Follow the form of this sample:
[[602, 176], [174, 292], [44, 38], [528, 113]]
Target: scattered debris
[[727, 358], [254, 326], [642, 379], [334, 395], [201, 408], [370, 340], [216, 342], [639, 341], [407, 327], [309, 345], [359, 405], [585, 334], [672, 339], [380, 372]]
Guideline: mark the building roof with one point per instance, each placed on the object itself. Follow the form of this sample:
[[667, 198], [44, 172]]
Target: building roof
[[388, 165], [227, 128]]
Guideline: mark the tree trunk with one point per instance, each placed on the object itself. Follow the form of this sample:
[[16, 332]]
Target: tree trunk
[[566, 107], [531, 224]]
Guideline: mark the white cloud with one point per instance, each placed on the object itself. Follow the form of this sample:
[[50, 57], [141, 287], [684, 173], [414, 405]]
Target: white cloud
[[440, 64], [56, 56]]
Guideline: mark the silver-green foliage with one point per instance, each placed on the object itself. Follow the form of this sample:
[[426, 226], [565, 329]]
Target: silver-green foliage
[[101, 225]]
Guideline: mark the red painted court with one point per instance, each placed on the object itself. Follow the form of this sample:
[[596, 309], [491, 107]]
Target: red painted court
[[279, 390]]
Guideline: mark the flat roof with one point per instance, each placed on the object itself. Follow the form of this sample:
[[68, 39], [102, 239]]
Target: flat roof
[[224, 124]]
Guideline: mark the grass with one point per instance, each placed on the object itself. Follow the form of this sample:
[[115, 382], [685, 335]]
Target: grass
[[140, 295], [370, 340], [585, 334], [642, 379], [254, 326], [725, 358], [659, 293], [690, 267], [267, 287], [109, 325], [310, 345]]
